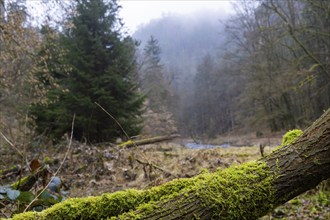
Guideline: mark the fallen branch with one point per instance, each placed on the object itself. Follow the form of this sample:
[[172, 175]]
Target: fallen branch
[[10, 172], [152, 140], [168, 173]]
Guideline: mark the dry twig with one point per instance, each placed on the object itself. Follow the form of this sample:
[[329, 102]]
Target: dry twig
[[155, 166], [11, 144]]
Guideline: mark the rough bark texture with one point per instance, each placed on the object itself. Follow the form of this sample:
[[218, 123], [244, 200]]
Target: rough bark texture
[[303, 164], [247, 191]]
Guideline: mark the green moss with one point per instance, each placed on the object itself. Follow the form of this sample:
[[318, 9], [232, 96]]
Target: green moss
[[28, 216], [240, 192], [288, 138], [108, 204], [129, 142], [20, 182], [47, 160], [295, 202], [291, 136]]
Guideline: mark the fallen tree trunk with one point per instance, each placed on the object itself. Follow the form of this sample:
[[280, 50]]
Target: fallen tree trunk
[[152, 140], [247, 191]]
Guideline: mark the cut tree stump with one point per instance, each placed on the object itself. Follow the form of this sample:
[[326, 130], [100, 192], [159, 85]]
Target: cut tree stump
[[247, 191]]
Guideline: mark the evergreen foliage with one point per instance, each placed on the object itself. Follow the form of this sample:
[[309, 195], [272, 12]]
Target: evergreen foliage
[[153, 80], [98, 66]]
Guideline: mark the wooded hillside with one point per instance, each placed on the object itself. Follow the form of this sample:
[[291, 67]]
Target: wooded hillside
[[270, 70]]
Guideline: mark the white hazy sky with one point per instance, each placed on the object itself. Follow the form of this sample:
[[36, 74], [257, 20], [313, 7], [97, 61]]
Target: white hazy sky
[[137, 12]]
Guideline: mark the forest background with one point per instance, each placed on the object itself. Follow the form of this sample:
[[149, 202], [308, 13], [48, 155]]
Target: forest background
[[265, 67], [263, 70]]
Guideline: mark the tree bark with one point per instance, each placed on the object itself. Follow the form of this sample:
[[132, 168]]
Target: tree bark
[[303, 164], [247, 191]]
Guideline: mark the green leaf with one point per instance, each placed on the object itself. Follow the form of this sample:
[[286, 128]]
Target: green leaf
[[55, 184], [26, 197], [38, 208], [64, 193], [48, 198], [45, 195], [4, 189], [13, 194]]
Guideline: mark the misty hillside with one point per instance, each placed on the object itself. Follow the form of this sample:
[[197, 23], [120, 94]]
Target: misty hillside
[[185, 39], [231, 73]]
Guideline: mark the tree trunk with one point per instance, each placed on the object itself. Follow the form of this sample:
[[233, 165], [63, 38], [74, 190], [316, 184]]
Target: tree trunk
[[247, 191], [303, 164]]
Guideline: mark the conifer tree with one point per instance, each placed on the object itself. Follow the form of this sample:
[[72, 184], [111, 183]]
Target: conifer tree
[[102, 70], [153, 80]]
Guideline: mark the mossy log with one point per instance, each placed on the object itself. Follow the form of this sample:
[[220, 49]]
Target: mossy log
[[27, 182], [152, 140], [247, 191]]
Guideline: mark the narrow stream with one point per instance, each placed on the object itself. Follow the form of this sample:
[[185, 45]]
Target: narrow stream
[[205, 146]]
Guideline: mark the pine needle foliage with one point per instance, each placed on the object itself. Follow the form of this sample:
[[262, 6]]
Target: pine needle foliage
[[101, 67]]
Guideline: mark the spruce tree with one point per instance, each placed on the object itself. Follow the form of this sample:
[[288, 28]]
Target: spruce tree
[[153, 80], [102, 70]]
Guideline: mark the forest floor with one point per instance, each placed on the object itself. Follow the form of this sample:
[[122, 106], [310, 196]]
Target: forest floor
[[92, 170]]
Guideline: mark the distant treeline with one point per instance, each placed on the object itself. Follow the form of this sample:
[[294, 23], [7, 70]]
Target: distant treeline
[[266, 68]]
